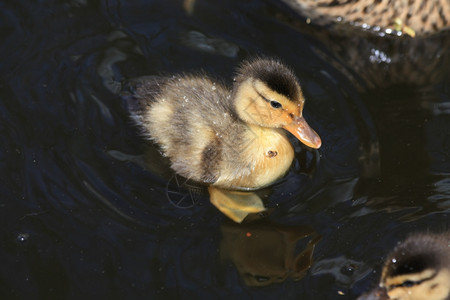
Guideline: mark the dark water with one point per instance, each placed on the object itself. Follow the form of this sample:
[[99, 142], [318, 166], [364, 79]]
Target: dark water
[[90, 210]]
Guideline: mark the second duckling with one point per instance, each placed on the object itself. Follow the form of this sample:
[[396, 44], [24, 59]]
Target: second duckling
[[418, 268], [231, 139]]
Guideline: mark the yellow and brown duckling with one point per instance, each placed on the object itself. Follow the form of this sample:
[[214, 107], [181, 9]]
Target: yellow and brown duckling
[[230, 139], [418, 268]]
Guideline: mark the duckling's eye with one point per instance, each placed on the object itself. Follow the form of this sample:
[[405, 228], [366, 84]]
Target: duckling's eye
[[275, 104], [408, 283]]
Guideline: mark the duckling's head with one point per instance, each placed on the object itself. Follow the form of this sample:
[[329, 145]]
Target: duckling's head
[[267, 94], [418, 268]]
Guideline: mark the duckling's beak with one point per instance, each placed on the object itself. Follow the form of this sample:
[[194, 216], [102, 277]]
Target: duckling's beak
[[301, 130]]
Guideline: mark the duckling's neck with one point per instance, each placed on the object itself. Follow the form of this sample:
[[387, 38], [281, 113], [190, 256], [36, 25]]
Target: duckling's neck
[[266, 136]]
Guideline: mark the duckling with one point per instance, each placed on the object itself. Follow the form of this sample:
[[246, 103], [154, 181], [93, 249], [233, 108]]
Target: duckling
[[231, 139], [418, 268]]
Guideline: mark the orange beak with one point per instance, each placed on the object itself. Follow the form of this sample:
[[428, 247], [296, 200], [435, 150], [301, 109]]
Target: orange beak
[[301, 130]]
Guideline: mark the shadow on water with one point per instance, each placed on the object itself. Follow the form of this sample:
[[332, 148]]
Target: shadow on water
[[85, 208]]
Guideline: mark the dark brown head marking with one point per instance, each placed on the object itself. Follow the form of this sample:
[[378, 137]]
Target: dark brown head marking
[[274, 74], [427, 250]]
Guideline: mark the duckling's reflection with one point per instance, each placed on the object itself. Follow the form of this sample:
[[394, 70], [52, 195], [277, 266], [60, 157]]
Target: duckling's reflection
[[265, 253]]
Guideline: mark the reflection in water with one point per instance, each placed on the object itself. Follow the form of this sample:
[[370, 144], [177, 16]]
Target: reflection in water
[[265, 253], [440, 192], [413, 152], [198, 40], [345, 271], [400, 123]]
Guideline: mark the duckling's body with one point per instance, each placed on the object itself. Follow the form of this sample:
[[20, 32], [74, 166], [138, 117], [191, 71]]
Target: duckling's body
[[229, 138], [195, 121], [205, 139], [418, 268]]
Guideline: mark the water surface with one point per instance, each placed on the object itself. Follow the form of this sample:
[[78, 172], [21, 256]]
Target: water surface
[[89, 209]]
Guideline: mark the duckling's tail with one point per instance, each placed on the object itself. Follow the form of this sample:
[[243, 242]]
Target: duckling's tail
[[138, 93]]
